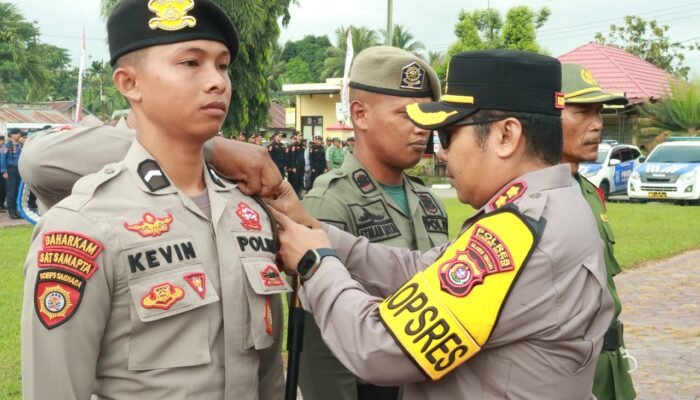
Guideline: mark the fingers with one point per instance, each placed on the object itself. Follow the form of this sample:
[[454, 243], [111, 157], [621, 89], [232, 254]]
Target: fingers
[[282, 219]]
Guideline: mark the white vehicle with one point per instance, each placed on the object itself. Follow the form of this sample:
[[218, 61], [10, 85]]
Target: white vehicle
[[613, 167], [671, 172]]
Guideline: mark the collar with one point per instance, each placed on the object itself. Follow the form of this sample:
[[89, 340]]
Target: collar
[[121, 124]]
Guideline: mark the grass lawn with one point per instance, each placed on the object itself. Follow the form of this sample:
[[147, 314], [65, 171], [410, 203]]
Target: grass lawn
[[643, 232]]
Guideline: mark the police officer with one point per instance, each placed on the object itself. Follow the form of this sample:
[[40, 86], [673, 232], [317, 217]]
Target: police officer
[[371, 196], [335, 154], [517, 305], [9, 160], [295, 164], [317, 159], [3, 184], [132, 287], [278, 152], [583, 127]]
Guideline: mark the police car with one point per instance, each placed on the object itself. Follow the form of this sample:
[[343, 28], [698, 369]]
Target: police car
[[671, 172], [613, 167]]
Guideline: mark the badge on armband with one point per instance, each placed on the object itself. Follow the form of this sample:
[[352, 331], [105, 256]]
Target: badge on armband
[[433, 318]]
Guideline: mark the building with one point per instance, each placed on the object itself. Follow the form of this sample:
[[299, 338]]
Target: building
[[30, 116]]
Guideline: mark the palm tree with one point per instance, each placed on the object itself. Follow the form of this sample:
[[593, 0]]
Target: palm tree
[[680, 111], [362, 38], [436, 58], [403, 39]]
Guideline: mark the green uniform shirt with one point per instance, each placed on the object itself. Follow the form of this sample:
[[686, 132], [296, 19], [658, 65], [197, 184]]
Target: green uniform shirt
[[612, 379]]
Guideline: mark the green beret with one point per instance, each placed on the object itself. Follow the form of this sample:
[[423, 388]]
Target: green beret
[[505, 80], [394, 72], [581, 87], [137, 24]]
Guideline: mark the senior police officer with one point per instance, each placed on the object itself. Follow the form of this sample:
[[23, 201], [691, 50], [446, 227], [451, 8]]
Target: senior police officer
[[132, 288], [582, 126], [371, 196], [517, 305]]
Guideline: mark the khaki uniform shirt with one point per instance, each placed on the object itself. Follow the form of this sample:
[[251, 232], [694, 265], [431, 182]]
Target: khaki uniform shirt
[[548, 336], [132, 292]]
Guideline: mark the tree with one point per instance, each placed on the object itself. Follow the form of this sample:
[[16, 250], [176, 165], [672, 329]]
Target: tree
[[362, 38], [312, 50], [436, 59], [486, 30], [403, 39], [258, 30], [649, 41], [298, 71], [679, 112]]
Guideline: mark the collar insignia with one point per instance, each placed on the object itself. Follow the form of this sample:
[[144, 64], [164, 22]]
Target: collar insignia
[[152, 176], [509, 195], [250, 219], [171, 15], [162, 296], [412, 76], [363, 182], [198, 282], [151, 225]]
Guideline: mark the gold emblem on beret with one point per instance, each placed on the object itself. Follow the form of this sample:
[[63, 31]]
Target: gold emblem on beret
[[587, 77], [171, 14], [412, 76]]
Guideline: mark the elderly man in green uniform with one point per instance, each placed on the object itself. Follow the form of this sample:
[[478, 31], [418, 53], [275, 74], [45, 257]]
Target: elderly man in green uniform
[[371, 196], [132, 289], [583, 126]]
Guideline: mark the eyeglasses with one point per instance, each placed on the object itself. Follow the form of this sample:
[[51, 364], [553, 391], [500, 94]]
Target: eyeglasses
[[445, 136]]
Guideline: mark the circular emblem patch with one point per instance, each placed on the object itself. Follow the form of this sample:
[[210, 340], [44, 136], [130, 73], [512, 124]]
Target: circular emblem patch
[[55, 302], [459, 274]]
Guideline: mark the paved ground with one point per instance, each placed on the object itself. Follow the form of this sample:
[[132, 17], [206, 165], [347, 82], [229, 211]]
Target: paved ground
[[5, 221]]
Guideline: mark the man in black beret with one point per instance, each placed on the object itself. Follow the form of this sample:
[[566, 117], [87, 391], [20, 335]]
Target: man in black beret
[[156, 278], [517, 305]]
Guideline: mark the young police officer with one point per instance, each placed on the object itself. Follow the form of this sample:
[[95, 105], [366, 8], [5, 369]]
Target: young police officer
[[133, 290], [517, 305]]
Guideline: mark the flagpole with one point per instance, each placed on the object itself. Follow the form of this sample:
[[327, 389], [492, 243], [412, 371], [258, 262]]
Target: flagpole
[[345, 95], [81, 70]]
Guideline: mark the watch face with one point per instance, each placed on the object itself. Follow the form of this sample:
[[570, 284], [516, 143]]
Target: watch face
[[306, 263]]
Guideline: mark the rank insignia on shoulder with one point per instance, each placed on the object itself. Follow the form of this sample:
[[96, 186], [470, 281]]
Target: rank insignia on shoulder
[[508, 195], [58, 294], [363, 181], [412, 76], [271, 276], [250, 219], [162, 296], [152, 176], [171, 15], [151, 226], [198, 282]]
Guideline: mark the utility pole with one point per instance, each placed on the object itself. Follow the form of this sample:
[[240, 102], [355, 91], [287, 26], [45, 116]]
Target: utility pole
[[389, 22]]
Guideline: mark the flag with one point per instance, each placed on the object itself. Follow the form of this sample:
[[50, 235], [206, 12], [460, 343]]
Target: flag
[[345, 95], [81, 71]]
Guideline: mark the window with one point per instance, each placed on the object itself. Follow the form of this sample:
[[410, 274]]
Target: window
[[311, 126]]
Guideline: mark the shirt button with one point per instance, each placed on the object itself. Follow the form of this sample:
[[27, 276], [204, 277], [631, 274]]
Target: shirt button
[[535, 195], [109, 171], [338, 172]]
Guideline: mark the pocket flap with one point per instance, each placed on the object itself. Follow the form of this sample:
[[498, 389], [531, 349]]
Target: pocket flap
[[171, 292], [265, 278]]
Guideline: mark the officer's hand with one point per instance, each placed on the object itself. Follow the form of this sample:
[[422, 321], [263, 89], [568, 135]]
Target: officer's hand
[[286, 201], [296, 239], [248, 164], [5, 175]]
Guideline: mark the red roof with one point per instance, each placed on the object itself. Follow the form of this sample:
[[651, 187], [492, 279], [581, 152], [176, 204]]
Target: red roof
[[620, 71], [32, 114], [277, 115]]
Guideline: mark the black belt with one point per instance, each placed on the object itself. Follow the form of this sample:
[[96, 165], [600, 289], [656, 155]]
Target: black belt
[[613, 337]]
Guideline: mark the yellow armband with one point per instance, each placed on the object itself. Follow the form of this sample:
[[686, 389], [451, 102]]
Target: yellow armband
[[445, 314]]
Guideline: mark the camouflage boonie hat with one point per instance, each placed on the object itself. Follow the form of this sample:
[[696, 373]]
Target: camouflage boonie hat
[[581, 87], [394, 72]]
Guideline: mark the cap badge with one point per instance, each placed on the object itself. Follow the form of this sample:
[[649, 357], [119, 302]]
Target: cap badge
[[171, 14], [587, 77], [412, 76]]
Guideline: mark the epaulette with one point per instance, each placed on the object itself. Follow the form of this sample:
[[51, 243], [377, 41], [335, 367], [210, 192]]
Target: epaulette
[[323, 182], [415, 179], [84, 189]]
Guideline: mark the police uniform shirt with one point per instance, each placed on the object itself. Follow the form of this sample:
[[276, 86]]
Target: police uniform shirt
[[549, 332], [132, 292]]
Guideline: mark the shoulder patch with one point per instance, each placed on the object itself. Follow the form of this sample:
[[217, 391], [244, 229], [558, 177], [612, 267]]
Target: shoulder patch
[[372, 220], [152, 175], [69, 251], [508, 195], [363, 181], [57, 296]]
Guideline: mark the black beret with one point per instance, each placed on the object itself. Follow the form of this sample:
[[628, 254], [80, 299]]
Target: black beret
[[137, 24], [506, 80]]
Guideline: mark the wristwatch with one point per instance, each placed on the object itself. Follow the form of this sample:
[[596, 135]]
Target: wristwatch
[[310, 262]]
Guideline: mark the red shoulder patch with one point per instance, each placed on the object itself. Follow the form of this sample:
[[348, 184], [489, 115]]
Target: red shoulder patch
[[57, 296], [250, 219]]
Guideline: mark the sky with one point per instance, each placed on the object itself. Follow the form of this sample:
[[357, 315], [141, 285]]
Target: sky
[[572, 23]]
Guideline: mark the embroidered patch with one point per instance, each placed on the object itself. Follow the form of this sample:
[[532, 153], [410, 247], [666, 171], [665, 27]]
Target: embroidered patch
[[161, 254], [250, 219], [151, 226], [171, 15], [268, 317], [509, 195], [372, 221], [271, 276], [435, 224], [69, 251], [152, 176], [198, 282], [57, 296], [363, 181], [486, 254], [162, 296], [412, 76], [72, 241], [428, 203], [66, 260], [256, 243]]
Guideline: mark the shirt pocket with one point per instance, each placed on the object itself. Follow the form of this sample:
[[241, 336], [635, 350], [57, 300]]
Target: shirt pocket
[[263, 281], [169, 323]]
